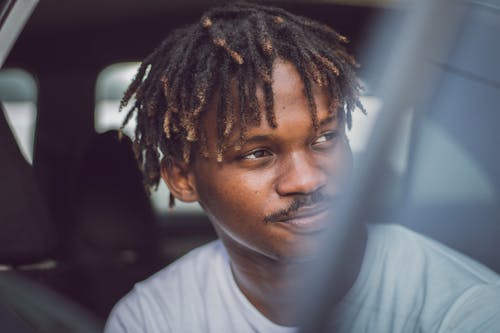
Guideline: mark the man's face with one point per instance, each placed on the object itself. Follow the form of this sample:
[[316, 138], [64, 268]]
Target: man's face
[[272, 196]]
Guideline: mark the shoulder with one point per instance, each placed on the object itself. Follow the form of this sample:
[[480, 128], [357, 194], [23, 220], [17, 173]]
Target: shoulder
[[414, 280], [476, 310], [186, 270], [418, 253], [155, 304]]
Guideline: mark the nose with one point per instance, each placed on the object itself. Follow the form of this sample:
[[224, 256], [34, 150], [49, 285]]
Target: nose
[[300, 174]]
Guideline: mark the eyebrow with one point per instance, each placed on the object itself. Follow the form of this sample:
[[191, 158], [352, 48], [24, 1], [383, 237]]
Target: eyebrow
[[258, 138], [266, 137], [327, 121]]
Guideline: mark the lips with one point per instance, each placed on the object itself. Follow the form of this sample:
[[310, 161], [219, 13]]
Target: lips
[[307, 220]]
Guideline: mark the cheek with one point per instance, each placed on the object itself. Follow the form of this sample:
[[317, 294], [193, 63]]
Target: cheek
[[236, 211], [229, 196], [339, 167], [342, 160], [345, 166]]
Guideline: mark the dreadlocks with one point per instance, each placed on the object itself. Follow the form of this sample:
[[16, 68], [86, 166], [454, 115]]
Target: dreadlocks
[[231, 44]]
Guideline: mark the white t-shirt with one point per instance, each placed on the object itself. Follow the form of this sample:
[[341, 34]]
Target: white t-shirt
[[407, 283]]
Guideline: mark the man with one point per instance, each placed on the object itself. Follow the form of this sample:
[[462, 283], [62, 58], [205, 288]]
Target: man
[[245, 113]]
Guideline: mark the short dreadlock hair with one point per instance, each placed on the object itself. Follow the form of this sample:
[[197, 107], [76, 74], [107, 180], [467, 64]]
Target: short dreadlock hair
[[232, 44]]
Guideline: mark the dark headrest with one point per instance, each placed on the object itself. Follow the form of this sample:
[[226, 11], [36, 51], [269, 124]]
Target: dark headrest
[[26, 231], [112, 210]]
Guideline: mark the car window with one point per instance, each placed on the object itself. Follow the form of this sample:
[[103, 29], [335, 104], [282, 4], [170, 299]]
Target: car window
[[445, 172], [111, 84], [18, 93]]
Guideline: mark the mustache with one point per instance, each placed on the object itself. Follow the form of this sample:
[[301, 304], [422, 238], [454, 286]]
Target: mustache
[[297, 204]]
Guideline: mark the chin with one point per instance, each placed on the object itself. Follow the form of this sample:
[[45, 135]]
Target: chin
[[299, 254]]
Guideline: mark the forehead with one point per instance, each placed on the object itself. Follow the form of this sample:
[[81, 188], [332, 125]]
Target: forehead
[[288, 94], [287, 83]]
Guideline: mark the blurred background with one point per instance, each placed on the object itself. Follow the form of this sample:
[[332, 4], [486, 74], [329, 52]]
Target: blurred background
[[74, 215]]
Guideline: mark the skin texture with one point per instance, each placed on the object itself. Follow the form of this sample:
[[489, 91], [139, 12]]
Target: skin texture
[[270, 200]]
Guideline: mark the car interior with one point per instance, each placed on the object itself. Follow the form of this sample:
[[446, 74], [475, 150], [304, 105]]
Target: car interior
[[75, 218], [439, 175]]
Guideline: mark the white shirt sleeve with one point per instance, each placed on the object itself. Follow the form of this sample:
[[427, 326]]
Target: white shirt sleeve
[[126, 316], [477, 310]]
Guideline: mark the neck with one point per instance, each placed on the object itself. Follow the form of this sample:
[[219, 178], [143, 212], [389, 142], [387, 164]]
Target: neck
[[272, 285]]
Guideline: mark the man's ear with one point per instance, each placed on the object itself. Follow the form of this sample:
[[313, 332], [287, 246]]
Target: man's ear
[[179, 179]]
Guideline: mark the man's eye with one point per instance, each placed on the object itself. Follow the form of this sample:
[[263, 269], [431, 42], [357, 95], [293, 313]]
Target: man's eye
[[256, 154], [325, 137]]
